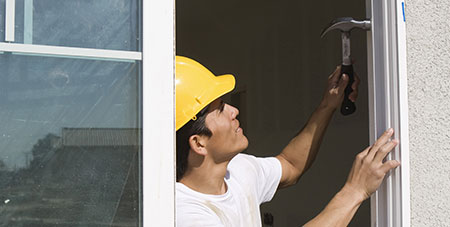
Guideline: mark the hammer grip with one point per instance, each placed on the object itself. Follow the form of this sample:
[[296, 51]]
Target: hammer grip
[[348, 107]]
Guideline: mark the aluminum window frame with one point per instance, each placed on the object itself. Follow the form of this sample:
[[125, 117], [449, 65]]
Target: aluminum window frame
[[388, 107]]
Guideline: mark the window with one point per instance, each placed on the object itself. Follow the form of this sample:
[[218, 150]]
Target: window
[[71, 113]]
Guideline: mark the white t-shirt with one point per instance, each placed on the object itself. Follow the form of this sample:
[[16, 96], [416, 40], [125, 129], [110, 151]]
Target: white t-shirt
[[251, 181]]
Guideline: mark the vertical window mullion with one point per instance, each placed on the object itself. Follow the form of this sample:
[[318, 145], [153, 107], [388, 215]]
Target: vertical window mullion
[[10, 14]]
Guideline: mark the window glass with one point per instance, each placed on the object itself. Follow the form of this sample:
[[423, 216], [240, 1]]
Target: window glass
[[2, 20], [102, 24], [70, 142]]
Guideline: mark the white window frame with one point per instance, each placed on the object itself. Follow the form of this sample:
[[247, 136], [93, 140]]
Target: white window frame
[[387, 96], [158, 186], [71, 52], [388, 107]]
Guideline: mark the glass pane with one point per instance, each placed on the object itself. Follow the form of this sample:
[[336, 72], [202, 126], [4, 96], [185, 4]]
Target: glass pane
[[70, 142], [2, 20], [102, 24]]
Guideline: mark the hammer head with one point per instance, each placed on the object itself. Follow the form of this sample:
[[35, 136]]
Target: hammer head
[[346, 24]]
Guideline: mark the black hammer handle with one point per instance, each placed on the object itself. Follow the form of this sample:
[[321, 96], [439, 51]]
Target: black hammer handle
[[348, 107]]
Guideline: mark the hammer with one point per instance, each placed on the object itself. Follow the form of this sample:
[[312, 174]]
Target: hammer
[[345, 25]]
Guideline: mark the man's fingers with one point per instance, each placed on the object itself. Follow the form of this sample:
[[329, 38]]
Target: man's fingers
[[334, 77], [362, 155], [380, 142], [343, 82], [354, 94], [388, 165], [384, 150]]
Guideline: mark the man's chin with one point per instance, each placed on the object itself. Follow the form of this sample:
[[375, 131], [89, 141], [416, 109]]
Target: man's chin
[[245, 143], [240, 149], [243, 148]]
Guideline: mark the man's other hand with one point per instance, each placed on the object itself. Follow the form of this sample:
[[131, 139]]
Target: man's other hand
[[368, 169]]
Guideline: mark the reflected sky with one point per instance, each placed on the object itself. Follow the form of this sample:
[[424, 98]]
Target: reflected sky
[[2, 21], [42, 95], [102, 24]]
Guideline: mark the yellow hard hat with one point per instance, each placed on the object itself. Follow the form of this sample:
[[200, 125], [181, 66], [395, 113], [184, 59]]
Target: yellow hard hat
[[196, 87]]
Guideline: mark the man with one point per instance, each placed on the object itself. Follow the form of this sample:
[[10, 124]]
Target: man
[[218, 186]]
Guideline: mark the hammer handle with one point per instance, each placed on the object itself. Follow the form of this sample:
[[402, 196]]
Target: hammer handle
[[348, 107]]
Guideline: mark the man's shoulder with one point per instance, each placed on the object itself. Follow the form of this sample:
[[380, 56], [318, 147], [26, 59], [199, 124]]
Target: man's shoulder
[[260, 175], [185, 193], [245, 167], [249, 162], [242, 158]]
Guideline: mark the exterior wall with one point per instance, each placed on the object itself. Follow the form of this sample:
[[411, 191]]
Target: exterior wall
[[428, 47]]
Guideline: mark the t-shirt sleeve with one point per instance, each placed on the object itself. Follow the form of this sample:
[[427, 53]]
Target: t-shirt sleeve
[[269, 177], [265, 173]]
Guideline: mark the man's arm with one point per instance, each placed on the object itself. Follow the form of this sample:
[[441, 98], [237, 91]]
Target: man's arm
[[365, 177], [301, 151]]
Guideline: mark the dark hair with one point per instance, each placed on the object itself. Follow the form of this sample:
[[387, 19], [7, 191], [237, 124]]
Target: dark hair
[[197, 127]]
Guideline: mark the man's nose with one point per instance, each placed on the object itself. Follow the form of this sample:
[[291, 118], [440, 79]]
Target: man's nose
[[234, 112]]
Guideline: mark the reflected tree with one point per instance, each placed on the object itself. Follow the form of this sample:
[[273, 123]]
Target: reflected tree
[[92, 182], [43, 150]]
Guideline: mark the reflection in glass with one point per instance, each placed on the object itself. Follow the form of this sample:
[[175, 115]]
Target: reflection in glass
[[2, 20], [70, 142], [101, 24]]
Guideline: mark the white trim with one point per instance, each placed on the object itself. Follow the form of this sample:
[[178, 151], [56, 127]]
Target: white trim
[[388, 107], [371, 101], [403, 105], [72, 52], [10, 15], [158, 113]]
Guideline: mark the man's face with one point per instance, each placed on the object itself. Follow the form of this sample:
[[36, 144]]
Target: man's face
[[227, 138]]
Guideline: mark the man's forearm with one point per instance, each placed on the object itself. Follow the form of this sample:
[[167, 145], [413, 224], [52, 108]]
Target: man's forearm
[[302, 149], [340, 210]]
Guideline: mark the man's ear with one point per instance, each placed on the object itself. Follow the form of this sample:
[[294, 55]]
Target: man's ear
[[198, 144]]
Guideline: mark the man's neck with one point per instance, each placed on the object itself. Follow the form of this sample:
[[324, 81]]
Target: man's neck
[[207, 178]]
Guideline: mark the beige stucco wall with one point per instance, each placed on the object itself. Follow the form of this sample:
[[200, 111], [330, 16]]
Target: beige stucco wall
[[428, 50]]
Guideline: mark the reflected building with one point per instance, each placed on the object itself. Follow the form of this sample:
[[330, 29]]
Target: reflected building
[[85, 177]]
